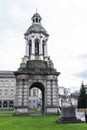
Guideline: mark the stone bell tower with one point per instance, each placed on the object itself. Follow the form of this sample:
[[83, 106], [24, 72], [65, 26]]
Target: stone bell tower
[[36, 70], [36, 40]]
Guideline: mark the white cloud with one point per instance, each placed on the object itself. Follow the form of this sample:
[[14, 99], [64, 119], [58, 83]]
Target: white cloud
[[65, 21]]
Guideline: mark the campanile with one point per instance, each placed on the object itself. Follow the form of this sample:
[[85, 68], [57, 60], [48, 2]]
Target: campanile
[[36, 70]]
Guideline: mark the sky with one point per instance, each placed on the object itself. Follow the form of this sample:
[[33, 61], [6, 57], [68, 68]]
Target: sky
[[65, 22]]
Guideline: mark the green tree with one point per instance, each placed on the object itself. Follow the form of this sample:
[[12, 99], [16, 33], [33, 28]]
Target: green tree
[[82, 97]]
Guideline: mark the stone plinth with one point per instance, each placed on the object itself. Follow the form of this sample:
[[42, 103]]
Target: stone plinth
[[69, 116]]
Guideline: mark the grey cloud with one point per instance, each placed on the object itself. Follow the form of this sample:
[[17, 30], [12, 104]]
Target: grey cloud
[[82, 74]]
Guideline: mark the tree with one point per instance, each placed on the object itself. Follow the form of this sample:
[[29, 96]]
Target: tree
[[82, 97]]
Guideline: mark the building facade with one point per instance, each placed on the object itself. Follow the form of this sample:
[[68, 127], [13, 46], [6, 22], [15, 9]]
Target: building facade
[[8, 91]]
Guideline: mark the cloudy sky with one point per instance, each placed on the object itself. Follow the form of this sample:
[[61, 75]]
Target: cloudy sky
[[66, 23]]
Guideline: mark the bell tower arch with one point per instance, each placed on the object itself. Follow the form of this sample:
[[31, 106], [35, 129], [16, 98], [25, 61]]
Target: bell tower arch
[[36, 70]]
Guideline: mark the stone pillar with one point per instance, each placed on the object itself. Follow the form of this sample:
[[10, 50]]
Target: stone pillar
[[21, 99], [55, 93], [33, 49], [45, 49], [41, 50], [27, 49], [52, 96]]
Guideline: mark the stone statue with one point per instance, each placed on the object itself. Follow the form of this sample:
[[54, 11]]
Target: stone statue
[[50, 63]]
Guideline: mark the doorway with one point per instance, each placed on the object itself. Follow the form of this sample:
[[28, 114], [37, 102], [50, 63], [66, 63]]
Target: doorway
[[37, 98]]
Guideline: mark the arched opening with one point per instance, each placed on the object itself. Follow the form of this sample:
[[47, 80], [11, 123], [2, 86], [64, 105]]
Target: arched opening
[[5, 104], [30, 47], [11, 104], [37, 100], [33, 20], [43, 47], [36, 20], [36, 47]]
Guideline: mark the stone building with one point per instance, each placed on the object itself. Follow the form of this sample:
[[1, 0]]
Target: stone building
[[8, 91], [36, 71]]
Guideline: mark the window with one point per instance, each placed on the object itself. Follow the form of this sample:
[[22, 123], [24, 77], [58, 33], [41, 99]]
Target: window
[[33, 20], [39, 20], [12, 83], [34, 101], [1, 82], [6, 83], [12, 91], [5, 104], [37, 47], [6, 92], [0, 92], [11, 104], [36, 20]]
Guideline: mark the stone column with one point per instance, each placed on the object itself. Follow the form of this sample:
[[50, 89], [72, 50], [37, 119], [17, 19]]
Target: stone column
[[33, 49], [52, 96], [55, 93], [27, 49], [45, 49], [21, 99], [41, 50]]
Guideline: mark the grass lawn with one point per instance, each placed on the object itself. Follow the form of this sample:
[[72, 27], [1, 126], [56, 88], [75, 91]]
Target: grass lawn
[[36, 123], [32, 111], [6, 111]]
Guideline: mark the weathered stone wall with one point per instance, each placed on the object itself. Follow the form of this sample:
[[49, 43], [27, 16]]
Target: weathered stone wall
[[48, 86]]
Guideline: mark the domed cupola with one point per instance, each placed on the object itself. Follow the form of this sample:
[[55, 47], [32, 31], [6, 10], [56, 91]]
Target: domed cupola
[[36, 40], [36, 26], [36, 18]]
